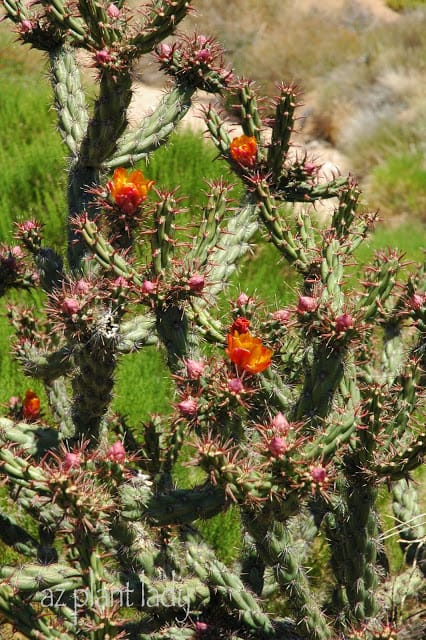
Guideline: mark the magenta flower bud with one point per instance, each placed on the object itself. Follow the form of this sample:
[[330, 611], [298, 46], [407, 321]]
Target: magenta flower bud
[[188, 407], [203, 55], [318, 474], [116, 452], [196, 283], [29, 225], [165, 51], [103, 57], [280, 424], [71, 461], [16, 251], [148, 286], [82, 286], [201, 627], [282, 315], [26, 26], [113, 11], [242, 300], [70, 306], [277, 446], [310, 168], [235, 385], [202, 40], [306, 304], [194, 369], [121, 283], [344, 322], [416, 301]]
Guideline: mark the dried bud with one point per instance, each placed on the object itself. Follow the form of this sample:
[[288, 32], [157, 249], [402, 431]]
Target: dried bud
[[235, 385], [240, 324], [71, 461], [343, 323], [188, 407], [196, 283], [306, 304], [282, 315], [280, 424], [116, 452], [194, 369], [277, 446]]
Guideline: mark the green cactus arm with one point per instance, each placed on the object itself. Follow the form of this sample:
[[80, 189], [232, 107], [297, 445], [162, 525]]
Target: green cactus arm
[[396, 464], [16, 11], [154, 130], [22, 473], [69, 99], [282, 129], [67, 22], [15, 536], [410, 523], [26, 619], [98, 24], [163, 233], [161, 20], [109, 119], [380, 283], [33, 438], [60, 405], [136, 333], [229, 587], [296, 191], [32, 578], [249, 116], [43, 365], [276, 547]]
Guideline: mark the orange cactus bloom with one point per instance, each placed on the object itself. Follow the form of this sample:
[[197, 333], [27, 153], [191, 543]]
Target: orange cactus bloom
[[129, 190], [31, 405], [248, 352], [244, 150]]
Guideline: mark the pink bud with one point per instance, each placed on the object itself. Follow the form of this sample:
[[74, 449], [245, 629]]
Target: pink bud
[[82, 286], [200, 627], [165, 51], [318, 474], [71, 461], [203, 55], [116, 452], [306, 304], [29, 225], [14, 402], [242, 300], [113, 11], [16, 251], [277, 446], [282, 315], [148, 286], [344, 322], [196, 283], [310, 168], [280, 424], [416, 301], [235, 385], [70, 306], [26, 26], [188, 407], [103, 57], [202, 40], [194, 369], [121, 283]]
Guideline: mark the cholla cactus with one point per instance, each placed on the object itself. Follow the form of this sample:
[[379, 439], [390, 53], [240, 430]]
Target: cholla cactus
[[296, 416]]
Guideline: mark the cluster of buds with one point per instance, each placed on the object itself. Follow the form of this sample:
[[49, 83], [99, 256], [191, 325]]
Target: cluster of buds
[[197, 60], [12, 270]]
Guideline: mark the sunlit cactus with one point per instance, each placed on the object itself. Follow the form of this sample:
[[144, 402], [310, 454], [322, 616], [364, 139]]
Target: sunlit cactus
[[294, 416]]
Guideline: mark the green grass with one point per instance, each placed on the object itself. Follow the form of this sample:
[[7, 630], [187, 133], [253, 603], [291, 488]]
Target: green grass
[[403, 5]]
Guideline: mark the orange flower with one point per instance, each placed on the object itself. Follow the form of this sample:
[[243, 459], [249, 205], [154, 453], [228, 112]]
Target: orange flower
[[31, 405], [248, 352], [244, 150], [129, 190]]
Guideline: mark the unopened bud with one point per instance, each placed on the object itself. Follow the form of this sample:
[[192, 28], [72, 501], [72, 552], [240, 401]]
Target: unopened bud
[[148, 286], [194, 369], [318, 474], [235, 385], [188, 407], [103, 57], [70, 306], [71, 461], [306, 304], [280, 424], [242, 300], [113, 11], [277, 446], [196, 283], [416, 301], [282, 315], [344, 322], [240, 324], [116, 452]]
